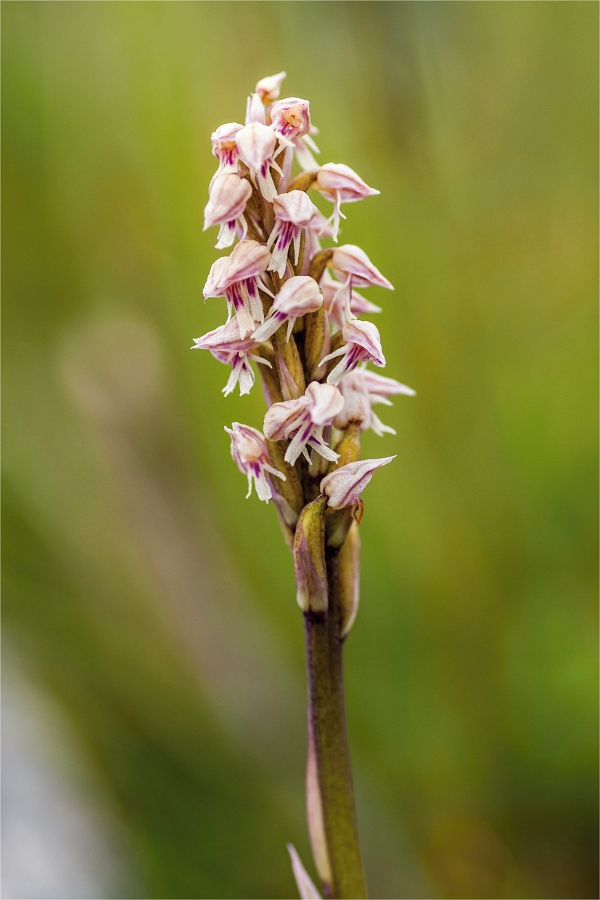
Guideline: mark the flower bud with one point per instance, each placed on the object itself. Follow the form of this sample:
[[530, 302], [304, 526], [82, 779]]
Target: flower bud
[[268, 88], [310, 567], [343, 486]]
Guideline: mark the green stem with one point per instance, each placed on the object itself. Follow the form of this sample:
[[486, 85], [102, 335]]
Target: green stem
[[327, 724]]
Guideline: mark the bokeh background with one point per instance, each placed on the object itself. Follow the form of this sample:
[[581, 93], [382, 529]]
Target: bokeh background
[[153, 651]]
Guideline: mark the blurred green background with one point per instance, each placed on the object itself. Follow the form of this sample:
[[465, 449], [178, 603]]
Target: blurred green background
[[149, 603]]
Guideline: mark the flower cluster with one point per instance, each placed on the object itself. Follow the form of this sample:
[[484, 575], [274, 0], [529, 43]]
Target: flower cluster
[[293, 306]]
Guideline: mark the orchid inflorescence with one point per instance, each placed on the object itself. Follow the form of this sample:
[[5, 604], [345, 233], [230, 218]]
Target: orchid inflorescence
[[293, 307]]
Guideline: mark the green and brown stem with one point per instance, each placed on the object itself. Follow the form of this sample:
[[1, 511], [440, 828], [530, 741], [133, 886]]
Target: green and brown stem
[[329, 746]]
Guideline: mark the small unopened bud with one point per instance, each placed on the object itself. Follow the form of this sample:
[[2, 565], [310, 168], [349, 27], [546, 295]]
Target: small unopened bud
[[344, 486], [310, 567], [268, 88]]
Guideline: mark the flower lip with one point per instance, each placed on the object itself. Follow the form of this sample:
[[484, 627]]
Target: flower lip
[[229, 194], [343, 486], [351, 260], [295, 207], [247, 259]]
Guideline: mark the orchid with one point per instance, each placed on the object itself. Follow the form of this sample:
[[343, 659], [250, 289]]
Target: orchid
[[362, 389], [303, 420], [343, 486], [226, 345], [363, 344], [249, 452], [238, 279], [341, 184], [299, 296], [290, 301], [293, 213]]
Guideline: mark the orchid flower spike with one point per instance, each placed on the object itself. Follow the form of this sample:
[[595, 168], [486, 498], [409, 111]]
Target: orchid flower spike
[[226, 345], [250, 454], [303, 420], [293, 212], [363, 344], [352, 264], [298, 296], [226, 203], [341, 184], [334, 299], [361, 389], [343, 486], [256, 146], [225, 148], [268, 88]]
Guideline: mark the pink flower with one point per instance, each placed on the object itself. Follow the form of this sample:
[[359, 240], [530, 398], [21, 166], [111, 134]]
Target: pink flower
[[256, 144], [334, 298], [303, 421], [225, 148], [363, 344], [268, 88], [290, 120], [293, 212], [341, 184], [298, 296], [226, 203], [237, 277], [249, 452], [351, 263], [361, 389], [226, 345], [343, 486]]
